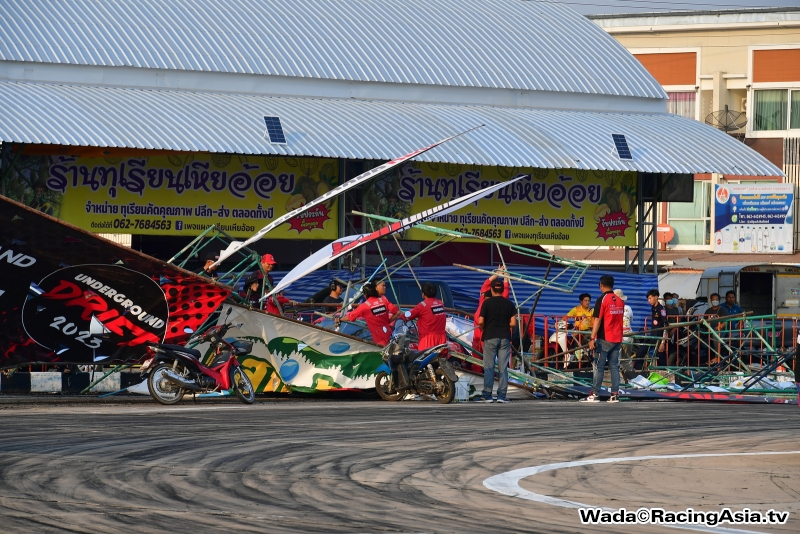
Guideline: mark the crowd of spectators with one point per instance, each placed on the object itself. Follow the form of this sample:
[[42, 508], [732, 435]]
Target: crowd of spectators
[[658, 344]]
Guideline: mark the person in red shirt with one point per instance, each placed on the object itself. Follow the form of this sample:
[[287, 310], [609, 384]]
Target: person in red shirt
[[606, 339], [431, 318], [377, 312], [254, 283], [486, 292]]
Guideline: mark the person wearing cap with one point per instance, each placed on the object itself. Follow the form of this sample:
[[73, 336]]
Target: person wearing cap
[[209, 269], [498, 317], [477, 333], [626, 352], [254, 283], [431, 318], [377, 312]]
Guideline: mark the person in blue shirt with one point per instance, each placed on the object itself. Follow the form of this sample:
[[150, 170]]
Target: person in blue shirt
[[732, 308], [730, 304]]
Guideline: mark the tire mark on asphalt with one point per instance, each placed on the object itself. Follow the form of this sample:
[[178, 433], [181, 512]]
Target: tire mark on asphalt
[[316, 467]]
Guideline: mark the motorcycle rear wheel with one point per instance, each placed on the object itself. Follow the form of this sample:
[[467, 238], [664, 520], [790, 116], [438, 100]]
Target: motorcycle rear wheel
[[449, 393], [161, 389], [382, 381], [242, 386]]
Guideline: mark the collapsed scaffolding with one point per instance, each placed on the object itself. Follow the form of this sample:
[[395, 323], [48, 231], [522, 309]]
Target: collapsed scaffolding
[[727, 341]]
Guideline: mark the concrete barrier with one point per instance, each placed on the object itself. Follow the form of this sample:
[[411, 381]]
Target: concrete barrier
[[20, 383]]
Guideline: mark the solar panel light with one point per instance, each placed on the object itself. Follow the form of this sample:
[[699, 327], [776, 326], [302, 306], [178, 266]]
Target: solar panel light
[[621, 144], [274, 130]]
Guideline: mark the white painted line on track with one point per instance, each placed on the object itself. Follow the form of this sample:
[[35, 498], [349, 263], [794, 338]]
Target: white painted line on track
[[508, 483]]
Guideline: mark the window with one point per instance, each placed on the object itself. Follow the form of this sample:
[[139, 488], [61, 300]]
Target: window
[[770, 109], [682, 103], [692, 221], [795, 122]]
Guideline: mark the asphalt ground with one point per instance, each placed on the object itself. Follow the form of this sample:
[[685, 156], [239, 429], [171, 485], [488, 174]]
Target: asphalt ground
[[129, 465]]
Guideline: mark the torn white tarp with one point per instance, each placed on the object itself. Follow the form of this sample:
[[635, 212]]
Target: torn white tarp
[[349, 184], [345, 245]]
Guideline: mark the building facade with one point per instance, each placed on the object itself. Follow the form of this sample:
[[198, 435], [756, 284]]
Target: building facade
[[746, 61], [178, 110]]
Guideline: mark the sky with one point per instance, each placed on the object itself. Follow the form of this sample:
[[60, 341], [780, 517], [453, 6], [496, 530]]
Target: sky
[[594, 7]]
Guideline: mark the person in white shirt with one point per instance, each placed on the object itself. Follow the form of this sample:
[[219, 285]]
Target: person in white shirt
[[625, 361]]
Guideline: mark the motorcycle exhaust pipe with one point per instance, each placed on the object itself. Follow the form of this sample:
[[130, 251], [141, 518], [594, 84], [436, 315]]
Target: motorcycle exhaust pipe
[[182, 382]]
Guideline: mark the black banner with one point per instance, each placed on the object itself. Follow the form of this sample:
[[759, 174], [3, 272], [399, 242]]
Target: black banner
[[68, 296]]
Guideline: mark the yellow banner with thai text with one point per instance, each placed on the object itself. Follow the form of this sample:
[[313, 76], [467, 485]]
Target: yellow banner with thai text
[[181, 194], [550, 206]]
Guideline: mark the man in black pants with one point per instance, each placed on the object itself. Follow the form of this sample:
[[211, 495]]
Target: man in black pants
[[498, 316], [606, 339], [658, 319]]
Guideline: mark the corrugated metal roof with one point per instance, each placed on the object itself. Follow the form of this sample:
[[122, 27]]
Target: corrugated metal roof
[[681, 18], [512, 44], [513, 137]]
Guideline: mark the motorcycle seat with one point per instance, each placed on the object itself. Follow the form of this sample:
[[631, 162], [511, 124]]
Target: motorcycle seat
[[414, 354], [180, 348]]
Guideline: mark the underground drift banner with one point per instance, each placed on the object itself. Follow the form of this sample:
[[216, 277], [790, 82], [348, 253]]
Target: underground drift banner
[[77, 308], [67, 296], [548, 206], [180, 194]]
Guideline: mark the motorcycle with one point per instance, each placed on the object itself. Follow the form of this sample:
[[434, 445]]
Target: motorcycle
[[174, 370], [425, 372]]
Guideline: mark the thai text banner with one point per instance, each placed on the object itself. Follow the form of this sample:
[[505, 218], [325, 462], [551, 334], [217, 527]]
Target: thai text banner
[[181, 194], [549, 206], [753, 218]]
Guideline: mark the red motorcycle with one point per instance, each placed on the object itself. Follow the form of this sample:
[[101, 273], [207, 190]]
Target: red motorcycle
[[175, 370]]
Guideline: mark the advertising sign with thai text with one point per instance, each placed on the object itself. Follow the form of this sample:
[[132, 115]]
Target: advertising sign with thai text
[[563, 206], [181, 194], [753, 218]]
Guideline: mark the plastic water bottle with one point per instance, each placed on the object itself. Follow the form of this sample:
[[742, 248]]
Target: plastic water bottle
[[749, 244]]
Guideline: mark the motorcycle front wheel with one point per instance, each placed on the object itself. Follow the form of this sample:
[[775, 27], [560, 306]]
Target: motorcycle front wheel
[[449, 388], [383, 384], [161, 389], [242, 386]]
